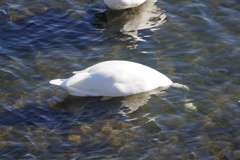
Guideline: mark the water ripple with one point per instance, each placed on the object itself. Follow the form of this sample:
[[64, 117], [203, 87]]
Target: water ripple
[[197, 45]]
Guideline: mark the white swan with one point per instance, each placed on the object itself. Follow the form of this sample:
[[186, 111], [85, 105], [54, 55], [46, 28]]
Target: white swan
[[130, 22], [123, 4], [113, 78]]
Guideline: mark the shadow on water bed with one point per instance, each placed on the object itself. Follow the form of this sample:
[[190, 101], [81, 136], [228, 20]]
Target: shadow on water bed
[[31, 109], [71, 110], [36, 115]]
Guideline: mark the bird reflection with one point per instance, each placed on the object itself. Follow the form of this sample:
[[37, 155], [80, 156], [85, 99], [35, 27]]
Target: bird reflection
[[133, 102], [130, 21], [91, 108]]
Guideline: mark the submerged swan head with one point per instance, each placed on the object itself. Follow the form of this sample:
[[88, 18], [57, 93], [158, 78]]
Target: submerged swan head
[[123, 4], [118, 78]]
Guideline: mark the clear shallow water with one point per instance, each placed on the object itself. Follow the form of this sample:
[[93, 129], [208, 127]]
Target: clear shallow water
[[197, 44]]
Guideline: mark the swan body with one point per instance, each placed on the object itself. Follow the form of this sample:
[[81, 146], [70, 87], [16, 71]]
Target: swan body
[[113, 78], [123, 4]]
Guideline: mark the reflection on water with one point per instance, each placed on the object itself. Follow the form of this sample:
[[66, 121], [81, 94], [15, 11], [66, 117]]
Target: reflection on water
[[119, 105], [133, 102], [131, 21], [197, 46]]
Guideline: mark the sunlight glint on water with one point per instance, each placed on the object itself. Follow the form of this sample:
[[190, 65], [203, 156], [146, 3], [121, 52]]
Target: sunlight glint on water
[[193, 42]]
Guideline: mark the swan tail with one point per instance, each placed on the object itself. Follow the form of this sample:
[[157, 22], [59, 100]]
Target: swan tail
[[57, 82]]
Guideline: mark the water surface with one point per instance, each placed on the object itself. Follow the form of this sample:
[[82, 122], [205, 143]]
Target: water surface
[[193, 42]]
